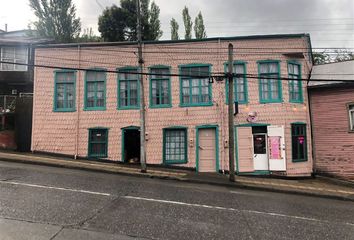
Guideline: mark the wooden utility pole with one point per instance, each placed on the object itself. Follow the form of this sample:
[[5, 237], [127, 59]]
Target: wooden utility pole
[[231, 115], [142, 97]]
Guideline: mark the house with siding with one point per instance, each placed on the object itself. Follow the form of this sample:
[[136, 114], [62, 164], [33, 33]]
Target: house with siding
[[86, 103], [332, 113]]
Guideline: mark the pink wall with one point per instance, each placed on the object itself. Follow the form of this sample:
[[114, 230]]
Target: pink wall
[[67, 133], [334, 144]]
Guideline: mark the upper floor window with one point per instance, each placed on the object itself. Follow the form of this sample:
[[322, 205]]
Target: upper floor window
[[351, 116], [95, 90], [269, 82], [128, 88], [64, 91], [160, 87], [295, 85], [240, 84], [194, 85], [13, 55]]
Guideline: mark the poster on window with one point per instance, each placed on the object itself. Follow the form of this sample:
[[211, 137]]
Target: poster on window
[[274, 149]]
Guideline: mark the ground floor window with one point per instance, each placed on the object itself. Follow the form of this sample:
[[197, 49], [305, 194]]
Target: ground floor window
[[299, 142], [98, 142], [175, 145]]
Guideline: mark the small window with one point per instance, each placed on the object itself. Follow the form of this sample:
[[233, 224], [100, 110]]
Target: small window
[[128, 89], [295, 85], [64, 91], [98, 143], [195, 86], [160, 92], [95, 90], [240, 84], [351, 116], [270, 85], [175, 146], [299, 142]]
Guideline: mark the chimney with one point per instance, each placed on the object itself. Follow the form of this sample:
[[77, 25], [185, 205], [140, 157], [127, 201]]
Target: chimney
[[5, 27]]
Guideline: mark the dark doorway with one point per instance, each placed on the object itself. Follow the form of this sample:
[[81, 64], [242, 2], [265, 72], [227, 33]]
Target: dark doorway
[[131, 145]]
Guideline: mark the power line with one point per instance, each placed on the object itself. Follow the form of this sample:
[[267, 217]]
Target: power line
[[210, 75]]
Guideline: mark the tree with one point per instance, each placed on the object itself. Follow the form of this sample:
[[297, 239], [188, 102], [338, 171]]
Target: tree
[[174, 29], [120, 23], [187, 23], [339, 55], [199, 28], [88, 36], [154, 22], [56, 19]]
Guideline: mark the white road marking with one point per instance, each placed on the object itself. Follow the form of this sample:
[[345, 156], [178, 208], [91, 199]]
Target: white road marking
[[232, 209], [55, 188]]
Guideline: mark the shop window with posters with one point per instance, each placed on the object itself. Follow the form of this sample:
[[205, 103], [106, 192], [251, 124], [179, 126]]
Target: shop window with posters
[[299, 142]]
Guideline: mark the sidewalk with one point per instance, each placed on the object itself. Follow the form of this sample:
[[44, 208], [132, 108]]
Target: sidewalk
[[321, 187]]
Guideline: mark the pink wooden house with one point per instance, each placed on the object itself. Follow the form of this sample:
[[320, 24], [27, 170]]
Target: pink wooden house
[[86, 103], [332, 111]]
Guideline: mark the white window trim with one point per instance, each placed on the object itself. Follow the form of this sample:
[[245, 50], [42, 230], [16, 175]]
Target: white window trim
[[14, 60], [351, 120]]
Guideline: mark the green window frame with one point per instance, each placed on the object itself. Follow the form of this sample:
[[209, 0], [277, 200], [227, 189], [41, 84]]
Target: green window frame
[[160, 87], [95, 89], [128, 88], [98, 143], [64, 91], [295, 84], [195, 88], [175, 145], [299, 142], [270, 87], [240, 83]]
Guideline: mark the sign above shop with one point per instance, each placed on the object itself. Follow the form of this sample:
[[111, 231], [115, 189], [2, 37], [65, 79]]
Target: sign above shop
[[252, 117]]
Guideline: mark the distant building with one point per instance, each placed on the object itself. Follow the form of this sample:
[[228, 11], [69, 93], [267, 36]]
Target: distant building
[[91, 113], [332, 112]]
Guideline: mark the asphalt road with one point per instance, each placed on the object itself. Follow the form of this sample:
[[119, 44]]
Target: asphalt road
[[38, 202]]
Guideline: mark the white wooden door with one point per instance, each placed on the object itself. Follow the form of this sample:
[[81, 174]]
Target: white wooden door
[[260, 156], [276, 148], [207, 150]]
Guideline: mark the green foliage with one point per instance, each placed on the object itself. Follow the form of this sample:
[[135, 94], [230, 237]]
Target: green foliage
[[199, 28], [56, 19], [120, 23], [88, 36], [339, 55], [187, 23], [174, 29]]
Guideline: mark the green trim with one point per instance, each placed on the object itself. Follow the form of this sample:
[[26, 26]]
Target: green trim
[[89, 154], [280, 92], [243, 63], [199, 104], [252, 125], [305, 135], [216, 127], [166, 162], [123, 139], [95, 108], [119, 102], [291, 82], [151, 105], [255, 173], [55, 109]]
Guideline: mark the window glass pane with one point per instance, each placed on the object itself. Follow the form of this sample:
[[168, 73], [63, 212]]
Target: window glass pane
[[175, 145], [21, 54], [98, 143], [299, 142]]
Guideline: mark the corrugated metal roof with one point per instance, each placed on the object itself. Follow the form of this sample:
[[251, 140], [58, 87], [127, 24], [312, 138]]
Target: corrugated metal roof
[[341, 72]]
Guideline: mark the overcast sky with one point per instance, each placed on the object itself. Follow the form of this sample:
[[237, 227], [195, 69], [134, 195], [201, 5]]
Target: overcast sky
[[330, 22]]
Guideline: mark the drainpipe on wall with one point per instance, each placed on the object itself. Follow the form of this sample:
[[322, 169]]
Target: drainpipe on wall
[[311, 131], [78, 97], [34, 99]]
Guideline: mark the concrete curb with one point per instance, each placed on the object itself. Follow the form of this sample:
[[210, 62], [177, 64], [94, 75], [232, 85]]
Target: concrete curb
[[237, 184]]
